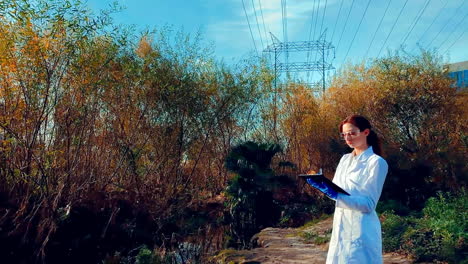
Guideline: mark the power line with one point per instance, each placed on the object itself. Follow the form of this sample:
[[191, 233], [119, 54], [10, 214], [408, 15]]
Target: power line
[[323, 16], [453, 43], [344, 27], [336, 21], [311, 23], [321, 24], [285, 28], [316, 17], [432, 23], [310, 34], [315, 29], [357, 30], [378, 27], [463, 19], [438, 33], [263, 20], [416, 21], [283, 19], [250, 28], [312, 20], [391, 30], [258, 24]]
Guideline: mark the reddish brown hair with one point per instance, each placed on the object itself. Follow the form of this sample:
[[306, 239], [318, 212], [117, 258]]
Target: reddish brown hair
[[362, 123]]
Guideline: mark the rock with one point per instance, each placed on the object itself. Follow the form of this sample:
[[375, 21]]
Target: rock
[[288, 246]]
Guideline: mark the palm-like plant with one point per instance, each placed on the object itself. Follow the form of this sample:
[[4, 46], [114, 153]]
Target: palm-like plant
[[249, 191]]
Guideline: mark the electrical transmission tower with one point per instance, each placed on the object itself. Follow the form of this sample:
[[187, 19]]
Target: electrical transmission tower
[[321, 46]]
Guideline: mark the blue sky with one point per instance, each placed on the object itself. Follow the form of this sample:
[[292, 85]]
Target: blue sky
[[439, 24]]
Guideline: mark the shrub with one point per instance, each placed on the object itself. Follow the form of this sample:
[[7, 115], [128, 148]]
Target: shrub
[[250, 200], [439, 235], [297, 214], [445, 215], [392, 206], [393, 228], [421, 243], [145, 256]]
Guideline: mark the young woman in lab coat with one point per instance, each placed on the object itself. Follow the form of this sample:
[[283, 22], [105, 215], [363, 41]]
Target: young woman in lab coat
[[356, 236]]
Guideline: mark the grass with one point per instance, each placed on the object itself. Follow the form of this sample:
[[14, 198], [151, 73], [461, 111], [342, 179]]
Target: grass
[[226, 256], [316, 238], [313, 222]]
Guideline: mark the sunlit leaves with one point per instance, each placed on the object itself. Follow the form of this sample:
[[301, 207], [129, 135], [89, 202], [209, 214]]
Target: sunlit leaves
[[411, 104]]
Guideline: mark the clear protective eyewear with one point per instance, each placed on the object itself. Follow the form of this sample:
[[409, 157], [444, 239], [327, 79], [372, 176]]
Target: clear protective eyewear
[[351, 134]]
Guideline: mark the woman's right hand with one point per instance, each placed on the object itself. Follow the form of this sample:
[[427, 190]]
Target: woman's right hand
[[323, 187]]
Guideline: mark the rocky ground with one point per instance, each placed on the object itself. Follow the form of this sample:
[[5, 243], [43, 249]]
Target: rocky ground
[[292, 245]]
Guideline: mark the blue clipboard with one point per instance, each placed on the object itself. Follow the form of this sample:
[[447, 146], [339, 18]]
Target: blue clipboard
[[320, 178]]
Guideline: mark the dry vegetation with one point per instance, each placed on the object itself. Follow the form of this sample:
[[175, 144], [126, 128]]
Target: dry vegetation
[[117, 140]]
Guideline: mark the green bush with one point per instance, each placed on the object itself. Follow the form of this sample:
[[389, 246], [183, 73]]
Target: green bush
[[421, 243], [439, 233], [446, 216], [145, 256], [392, 206], [393, 228], [249, 193], [297, 214]]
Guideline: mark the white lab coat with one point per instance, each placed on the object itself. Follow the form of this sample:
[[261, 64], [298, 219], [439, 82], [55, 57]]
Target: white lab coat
[[356, 236]]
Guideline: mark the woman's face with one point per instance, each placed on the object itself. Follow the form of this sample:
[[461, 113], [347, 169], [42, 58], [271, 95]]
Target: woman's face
[[353, 137]]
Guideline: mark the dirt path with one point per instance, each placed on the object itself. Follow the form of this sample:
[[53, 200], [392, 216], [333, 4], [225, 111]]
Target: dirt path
[[292, 245]]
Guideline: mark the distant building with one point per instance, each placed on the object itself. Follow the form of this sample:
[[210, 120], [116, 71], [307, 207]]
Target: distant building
[[459, 72]]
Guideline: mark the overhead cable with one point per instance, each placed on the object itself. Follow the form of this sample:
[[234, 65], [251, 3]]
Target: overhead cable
[[416, 20], [457, 26], [344, 27], [316, 17], [393, 27], [258, 24], [263, 21], [432, 23], [336, 21], [450, 20], [250, 28], [323, 16], [378, 27], [456, 40], [315, 30], [357, 30], [310, 34]]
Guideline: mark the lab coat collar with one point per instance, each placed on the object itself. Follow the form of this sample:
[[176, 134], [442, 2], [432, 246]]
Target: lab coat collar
[[365, 155]]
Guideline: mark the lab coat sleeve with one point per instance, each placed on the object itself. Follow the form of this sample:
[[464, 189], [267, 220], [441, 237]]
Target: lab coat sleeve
[[366, 200]]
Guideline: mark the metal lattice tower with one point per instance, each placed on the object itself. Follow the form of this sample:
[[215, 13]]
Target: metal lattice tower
[[321, 46]]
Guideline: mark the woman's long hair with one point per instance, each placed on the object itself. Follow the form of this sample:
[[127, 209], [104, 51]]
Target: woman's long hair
[[362, 123]]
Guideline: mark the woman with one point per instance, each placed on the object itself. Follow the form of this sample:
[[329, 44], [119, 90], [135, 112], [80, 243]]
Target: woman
[[356, 235]]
